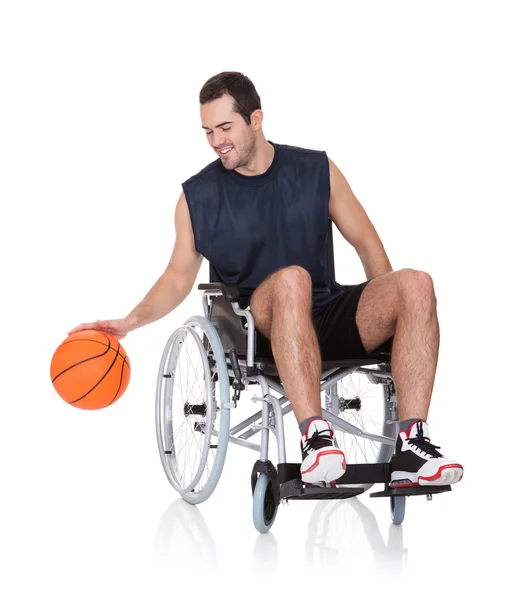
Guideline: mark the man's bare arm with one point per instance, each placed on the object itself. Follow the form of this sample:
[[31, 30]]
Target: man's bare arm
[[176, 283], [354, 224]]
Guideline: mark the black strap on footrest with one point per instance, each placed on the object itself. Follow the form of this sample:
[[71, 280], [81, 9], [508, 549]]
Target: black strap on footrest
[[288, 471], [374, 473], [356, 474]]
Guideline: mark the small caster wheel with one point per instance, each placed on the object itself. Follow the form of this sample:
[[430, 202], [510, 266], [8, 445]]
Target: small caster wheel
[[397, 506], [264, 507]]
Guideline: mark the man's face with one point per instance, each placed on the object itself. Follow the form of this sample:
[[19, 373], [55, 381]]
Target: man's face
[[226, 129]]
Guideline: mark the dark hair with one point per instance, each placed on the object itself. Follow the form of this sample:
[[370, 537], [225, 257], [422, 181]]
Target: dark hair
[[237, 85]]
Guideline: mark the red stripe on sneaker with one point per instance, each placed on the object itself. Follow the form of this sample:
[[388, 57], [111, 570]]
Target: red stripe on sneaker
[[440, 472], [431, 478], [402, 485], [325, 453]]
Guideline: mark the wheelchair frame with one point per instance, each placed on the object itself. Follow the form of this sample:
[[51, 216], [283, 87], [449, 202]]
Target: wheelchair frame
[[271, 485], [285, 481]]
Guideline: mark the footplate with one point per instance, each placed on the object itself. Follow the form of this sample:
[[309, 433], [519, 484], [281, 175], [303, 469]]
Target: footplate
[[414, 490], [292, 487], [295, 489], [354, 475]]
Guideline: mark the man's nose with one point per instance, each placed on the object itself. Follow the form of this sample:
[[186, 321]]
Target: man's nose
[[219, 140]]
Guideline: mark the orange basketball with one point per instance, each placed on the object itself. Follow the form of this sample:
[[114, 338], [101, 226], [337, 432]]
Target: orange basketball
[[90, 369]]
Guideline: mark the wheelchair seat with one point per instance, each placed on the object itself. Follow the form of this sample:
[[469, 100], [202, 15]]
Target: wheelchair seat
[[268, 366], [232, 330]]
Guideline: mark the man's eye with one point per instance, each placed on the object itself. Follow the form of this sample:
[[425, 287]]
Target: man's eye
[[225, 129]]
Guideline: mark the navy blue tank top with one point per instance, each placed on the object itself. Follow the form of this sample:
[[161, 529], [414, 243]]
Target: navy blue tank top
[[247, 227]]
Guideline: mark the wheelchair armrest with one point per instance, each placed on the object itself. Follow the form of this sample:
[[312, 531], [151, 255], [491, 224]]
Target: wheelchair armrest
[[229, 290]]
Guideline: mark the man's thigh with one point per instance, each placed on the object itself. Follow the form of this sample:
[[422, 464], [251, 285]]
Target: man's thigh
[[261, 301], [335, 326]]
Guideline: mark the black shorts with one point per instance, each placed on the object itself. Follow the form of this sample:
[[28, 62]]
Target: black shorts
[[336, 329]]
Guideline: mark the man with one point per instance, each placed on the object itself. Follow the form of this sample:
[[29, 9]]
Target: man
[[259, 213]]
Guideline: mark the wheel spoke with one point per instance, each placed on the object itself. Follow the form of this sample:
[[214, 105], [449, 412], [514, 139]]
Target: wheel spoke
[[371, 417], [188, 407]]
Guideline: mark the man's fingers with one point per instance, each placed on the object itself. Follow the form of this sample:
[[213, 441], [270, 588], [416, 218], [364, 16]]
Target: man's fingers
[[107, 326], [81, 328]]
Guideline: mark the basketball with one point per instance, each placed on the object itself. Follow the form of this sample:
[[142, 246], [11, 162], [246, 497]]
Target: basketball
[[90, 369]]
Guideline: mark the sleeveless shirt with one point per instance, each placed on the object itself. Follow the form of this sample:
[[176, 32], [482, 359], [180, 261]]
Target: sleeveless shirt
[[248, 227]]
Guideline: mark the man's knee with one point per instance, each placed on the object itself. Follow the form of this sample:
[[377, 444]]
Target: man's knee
[[413, 284], [282, 282], [294, 278], [290, 284]]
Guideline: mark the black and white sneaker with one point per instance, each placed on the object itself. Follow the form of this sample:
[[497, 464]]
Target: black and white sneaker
[[321, 461], [417, 461]]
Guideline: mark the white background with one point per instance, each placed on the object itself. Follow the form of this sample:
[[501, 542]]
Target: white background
[[422, 106]]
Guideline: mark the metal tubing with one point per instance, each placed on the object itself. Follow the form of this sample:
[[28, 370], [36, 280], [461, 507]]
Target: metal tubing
[[345, 426]]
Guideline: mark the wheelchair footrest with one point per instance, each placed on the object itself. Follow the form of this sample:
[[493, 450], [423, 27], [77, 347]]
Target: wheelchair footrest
[[295, 489], [415, 490], [355, 474]]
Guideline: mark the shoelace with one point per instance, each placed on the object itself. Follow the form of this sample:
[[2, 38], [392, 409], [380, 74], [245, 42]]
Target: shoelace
[[318, 440], [423, 443]]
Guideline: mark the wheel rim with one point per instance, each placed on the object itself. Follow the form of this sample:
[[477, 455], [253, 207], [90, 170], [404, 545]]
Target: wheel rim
[[189, 388]]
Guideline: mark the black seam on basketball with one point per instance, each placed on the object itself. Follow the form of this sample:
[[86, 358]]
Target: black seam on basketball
[[120, 383], [82, 361], [120, 380], [126, 361], [125, 357], [101, 379], [89, 340]]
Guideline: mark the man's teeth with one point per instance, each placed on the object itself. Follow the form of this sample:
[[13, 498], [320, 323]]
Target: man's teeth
[[226, 150]]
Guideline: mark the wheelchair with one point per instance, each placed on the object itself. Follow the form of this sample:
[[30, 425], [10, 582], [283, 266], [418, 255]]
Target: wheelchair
[[210, 360]]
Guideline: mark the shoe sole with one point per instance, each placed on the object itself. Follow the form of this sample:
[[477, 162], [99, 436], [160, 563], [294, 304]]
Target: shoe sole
[[325, 468], [446, 475]]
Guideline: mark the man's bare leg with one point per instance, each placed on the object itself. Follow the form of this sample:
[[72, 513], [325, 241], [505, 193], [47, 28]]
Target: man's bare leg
[[282, 310], [399, 303], [281, 307], [403, 304], [408, 297]]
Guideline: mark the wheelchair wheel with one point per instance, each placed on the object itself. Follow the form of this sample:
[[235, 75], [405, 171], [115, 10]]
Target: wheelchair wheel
[[193, 410], [369, 403], [397, 506], [264, 507]]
